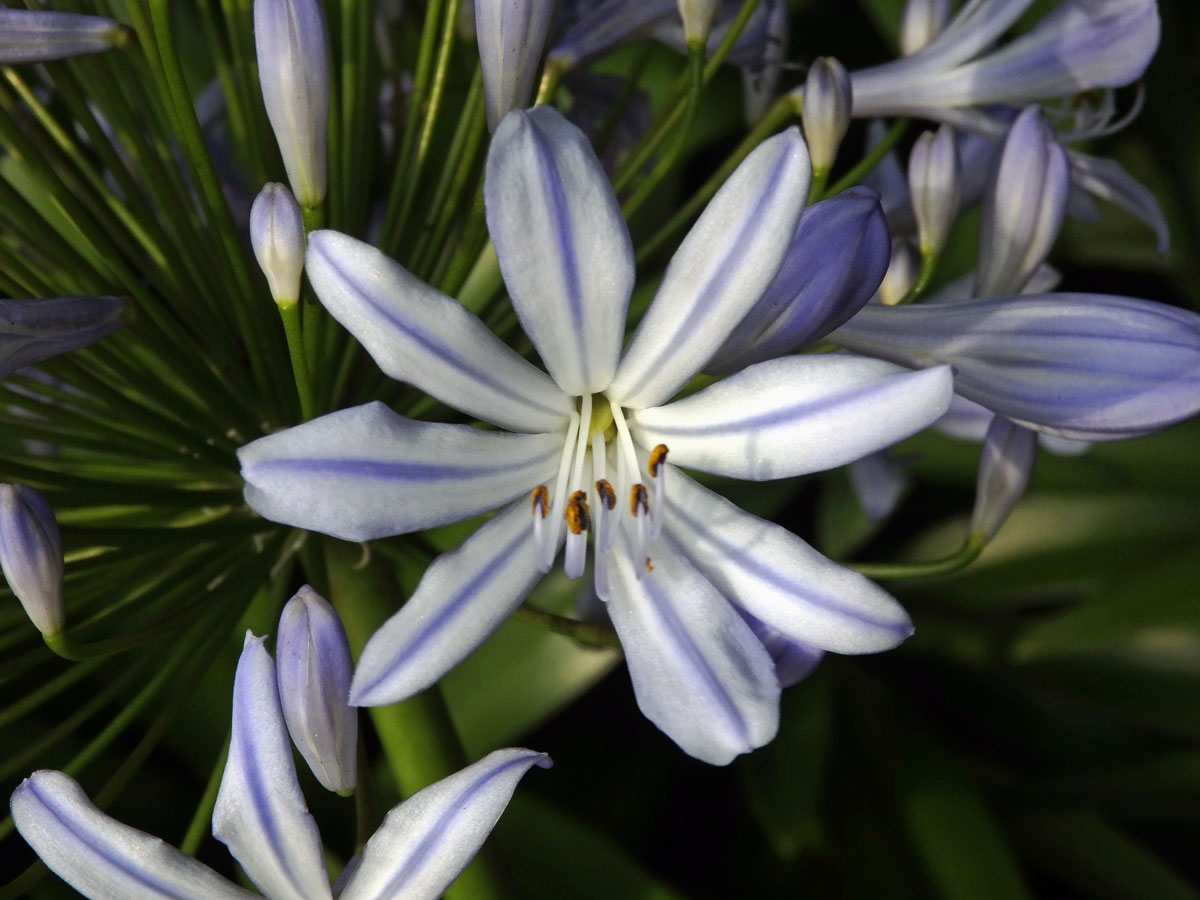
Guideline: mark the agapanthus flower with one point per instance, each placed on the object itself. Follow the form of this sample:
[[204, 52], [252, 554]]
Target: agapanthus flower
[[262, 817], [587, 448], [1077, 46]]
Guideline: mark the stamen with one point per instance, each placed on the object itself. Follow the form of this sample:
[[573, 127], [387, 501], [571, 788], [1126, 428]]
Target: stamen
[[639, 508], [658, 471], [606, 501], [549, 545], [539, 508], [578, 522]]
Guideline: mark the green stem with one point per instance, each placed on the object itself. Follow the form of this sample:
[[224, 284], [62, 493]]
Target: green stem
[[483, 280], [817, 185], [201, 824], [783, 109], [965, 555], [667, 159], [290, 314], [583, 632], [417, 736], [928, 264], [871, 160]]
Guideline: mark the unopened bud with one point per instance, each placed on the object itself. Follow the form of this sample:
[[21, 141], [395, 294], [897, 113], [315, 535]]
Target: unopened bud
[[277, 235], [825, 113], [1023, 209], [33, 36], [901, 273], [1005, 465], [511, 35], [697, 16], [923, 19], [934, 185], [293, 71], [31, 556], [312, 657]]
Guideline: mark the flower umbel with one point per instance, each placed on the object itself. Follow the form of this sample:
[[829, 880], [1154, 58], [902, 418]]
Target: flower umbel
[[594, 450]]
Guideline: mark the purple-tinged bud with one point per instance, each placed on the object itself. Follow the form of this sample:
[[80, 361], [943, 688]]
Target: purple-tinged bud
[[836, 259], [277, 236], [825, 113], [934, 185], [31, 556], [697, 16], [1005, 466], [1023, 209], [313, 660], [922, 20], [901, 273], [293, 71], [511, 35], [32, 330], [32, 36]]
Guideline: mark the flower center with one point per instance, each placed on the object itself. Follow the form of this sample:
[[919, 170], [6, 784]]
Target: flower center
[[598, 431]]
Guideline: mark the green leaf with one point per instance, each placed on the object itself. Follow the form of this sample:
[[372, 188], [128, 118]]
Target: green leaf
[[1088, 854], [555, 855], [784, 781]]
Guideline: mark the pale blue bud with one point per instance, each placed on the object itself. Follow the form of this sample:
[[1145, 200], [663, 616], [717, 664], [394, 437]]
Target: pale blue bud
[[1005, 466], [33, 36], [697, 16], [313, 661], [1023, 209], [277, 235], [901, 273], [31, 555], [511, 35], [825, 113], [293, 71], [35, 329], [922, 20], [934, 183]]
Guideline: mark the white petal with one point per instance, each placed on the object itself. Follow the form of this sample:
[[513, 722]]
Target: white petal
[[260, 813], [463, 598], [698, 671], [723, 266], [102, 858], [365, 472], [779, 579], [426, 841], [562, 245], [795, 415], [419, 335]]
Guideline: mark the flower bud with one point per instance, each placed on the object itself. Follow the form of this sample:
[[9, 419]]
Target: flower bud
[[277, 235], [933, 184], [697, 16], [901, 273], [825, 113], [293, 71], [922, 20], [31, 556], [313, 661], [33, 36], [1005, 465], [34, 329], [1024, 207], [511, 35]]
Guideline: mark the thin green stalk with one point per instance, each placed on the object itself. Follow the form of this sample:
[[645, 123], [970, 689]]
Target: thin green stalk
[[201, 823], [783, 109], [928, 265], [666, 160], [871, 160], [583, 632], [290, 314], [957, 561]]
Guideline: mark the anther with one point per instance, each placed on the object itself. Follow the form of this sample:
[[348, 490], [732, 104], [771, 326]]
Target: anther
[[639, 508], [578, 523], [658, 456], [539, 508], [657, 468], [639, 504], [539, 499], [606, 494]]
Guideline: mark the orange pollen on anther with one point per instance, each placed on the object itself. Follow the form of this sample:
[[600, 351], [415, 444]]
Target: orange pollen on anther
[[539, 499], [577, 515], [649, 568], [658, 456], [605, 493], [638, 502]]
